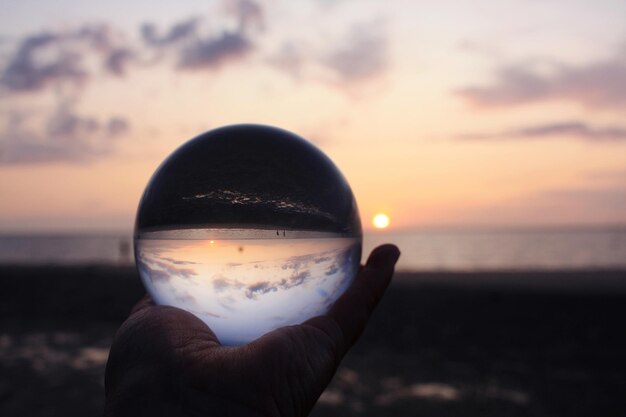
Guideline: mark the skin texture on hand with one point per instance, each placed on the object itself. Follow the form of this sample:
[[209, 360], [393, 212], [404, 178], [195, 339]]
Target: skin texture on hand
[[166, 362]]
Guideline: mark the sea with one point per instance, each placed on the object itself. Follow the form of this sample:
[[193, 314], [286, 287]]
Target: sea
[[450, 249]]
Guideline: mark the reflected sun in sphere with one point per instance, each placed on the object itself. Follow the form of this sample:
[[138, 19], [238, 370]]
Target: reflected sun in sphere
[[380, 221]]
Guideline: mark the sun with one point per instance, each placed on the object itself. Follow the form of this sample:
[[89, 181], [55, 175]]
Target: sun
[[380, 221]]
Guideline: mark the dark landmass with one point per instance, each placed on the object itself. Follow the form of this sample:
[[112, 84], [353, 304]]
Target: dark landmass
[[440, 344]]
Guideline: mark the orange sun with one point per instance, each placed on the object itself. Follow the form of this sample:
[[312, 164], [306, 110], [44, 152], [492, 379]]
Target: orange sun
[[380, 221]]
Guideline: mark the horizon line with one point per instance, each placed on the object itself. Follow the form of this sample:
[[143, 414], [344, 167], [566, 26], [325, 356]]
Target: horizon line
[[369, 231]]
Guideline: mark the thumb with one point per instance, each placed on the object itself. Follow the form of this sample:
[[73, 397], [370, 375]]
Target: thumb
[[352, 310]]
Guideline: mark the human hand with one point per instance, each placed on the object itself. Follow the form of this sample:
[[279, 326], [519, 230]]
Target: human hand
[[165, 361]]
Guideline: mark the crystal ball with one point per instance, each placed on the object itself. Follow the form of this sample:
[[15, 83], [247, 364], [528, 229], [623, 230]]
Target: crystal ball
[[250, 228]]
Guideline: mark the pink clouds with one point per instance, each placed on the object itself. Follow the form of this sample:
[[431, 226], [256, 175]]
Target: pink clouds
[[600, 84]]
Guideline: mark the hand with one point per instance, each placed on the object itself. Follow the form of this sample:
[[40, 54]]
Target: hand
[[165, 361]]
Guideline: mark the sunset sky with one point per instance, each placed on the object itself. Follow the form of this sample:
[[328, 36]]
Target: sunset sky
[[438, 113]]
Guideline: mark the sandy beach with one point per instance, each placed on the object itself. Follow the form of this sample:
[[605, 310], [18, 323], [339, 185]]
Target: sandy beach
[[440, 344]]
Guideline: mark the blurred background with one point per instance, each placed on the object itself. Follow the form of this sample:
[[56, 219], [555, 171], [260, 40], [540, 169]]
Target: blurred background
[[488, 137]]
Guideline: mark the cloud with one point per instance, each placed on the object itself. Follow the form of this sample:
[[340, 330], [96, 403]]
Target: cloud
[[189, 301], [30, 70], [249, 14], [53, 58], [117, 126], [118, 60], [159, 268], [596, 84], [213, 52], [333, 269], [66, 137], [99, 37], [64, 61], [362, 55], [298, 279], [180, 31], [155, 275], [573, 129], [195, 49], [221, 284], [260, 288], [177, 262], [67, 56], [357, 56], [298, 272], [514, 86]]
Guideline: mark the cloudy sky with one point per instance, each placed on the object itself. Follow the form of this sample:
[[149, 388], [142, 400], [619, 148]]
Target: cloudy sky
[[437, 112]]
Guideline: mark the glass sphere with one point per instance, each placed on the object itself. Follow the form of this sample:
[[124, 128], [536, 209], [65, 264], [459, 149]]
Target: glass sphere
[[250, 228]]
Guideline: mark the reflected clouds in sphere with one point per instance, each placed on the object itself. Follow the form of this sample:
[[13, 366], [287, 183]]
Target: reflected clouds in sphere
[[250, 228]]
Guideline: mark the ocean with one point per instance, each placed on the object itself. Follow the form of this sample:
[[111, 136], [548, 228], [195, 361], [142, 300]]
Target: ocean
[[422, 250]]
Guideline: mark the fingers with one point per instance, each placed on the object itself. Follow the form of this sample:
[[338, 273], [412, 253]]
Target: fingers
[[147, 353], [169, 320], [353, 309]]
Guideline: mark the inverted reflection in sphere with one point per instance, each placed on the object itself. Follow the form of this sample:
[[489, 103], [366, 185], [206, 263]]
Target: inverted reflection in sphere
[[250, 228]]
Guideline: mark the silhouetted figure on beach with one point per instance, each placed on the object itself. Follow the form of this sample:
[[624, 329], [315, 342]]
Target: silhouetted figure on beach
[[166, 362]]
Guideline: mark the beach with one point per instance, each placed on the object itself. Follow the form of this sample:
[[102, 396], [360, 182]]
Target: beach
[[497, 343]]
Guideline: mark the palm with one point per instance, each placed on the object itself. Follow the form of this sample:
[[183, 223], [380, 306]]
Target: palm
[[166, 361]]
